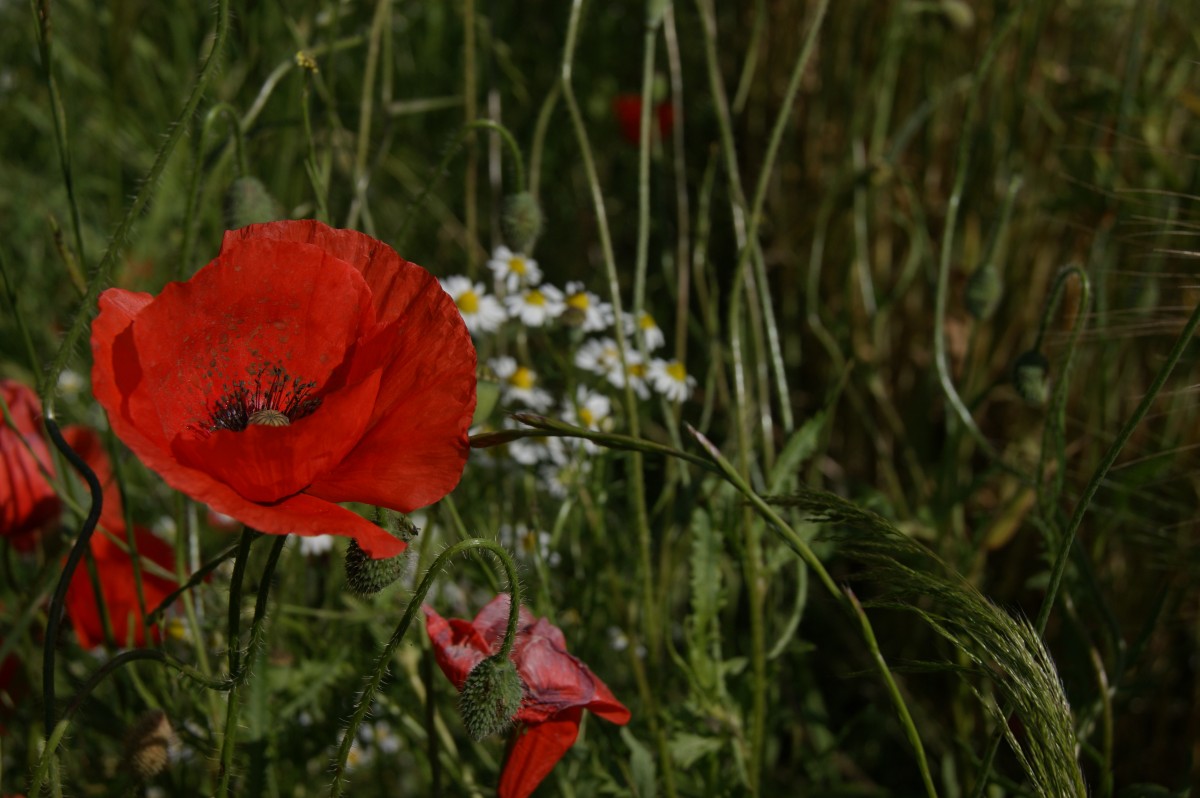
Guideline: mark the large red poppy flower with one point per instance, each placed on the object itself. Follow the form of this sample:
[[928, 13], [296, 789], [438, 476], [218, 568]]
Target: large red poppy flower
[[114, 566], [558, 686], [627, 108], [303, 367], [27, 501]]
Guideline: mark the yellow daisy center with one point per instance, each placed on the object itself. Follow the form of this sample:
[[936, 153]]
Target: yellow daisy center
[[516, 265], [647, 322], [586, 417], [637, 369], [578, 301], [522, 378], [677, 371], [535, 297], [468, 302]]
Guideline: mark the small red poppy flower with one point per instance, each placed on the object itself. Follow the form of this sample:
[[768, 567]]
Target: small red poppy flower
[[303, 367], [627, 108], [28, 503], [558, 686], [114, 566]]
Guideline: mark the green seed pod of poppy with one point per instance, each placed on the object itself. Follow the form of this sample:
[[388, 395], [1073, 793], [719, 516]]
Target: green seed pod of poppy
[[366, 576], [148, 744], [1031, 377], [984, 290], [490, 697], [522, 220], [247, 201]]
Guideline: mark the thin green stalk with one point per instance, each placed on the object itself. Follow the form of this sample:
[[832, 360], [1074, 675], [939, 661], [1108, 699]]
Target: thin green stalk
[[682, 210], [649, 39], [910, 729], [367, 697], [961, 164], [10, 296], [229, 113], [1081, 508], [366, 110], [102, 275], [41, 12], [539, 137], [471, 177], [312, 164], [44, 763], [196, 578], [233, 640], [637, 474]]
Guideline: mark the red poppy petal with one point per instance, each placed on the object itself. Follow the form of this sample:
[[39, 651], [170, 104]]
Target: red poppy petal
[[536, 752], [492, 621], [394, 282], [553, 679], [265, 464], [27, 501], [627, 108], [414, 452], [457, 647], [114, 568]]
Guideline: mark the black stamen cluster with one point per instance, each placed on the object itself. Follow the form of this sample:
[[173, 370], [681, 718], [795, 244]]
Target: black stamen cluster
[[271, 388]]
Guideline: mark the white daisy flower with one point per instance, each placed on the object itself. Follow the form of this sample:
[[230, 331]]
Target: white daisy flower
[[482, 312], [592, 314], [535, 306], [635, 373], [519, 383], [649, 327], [598, 356], [531, 451], [561, 481], [315, 545], [670, 378], [590, 410], [528, 542], [512, 269]]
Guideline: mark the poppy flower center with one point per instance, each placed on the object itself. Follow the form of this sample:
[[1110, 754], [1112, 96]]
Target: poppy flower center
[[271, 398]]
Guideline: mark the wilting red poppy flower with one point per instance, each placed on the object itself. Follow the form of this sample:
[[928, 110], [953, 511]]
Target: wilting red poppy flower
[[114, 566], [558, 687], [27, 501], [303, 367], [627, 108]]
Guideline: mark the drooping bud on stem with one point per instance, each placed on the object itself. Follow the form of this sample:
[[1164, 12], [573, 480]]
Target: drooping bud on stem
[[247, 201], [522, 220], [490, 696], [366, 576], [148, 744], [1031, 377]]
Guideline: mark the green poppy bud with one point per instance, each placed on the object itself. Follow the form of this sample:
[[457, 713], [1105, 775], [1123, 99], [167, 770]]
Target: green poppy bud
[[248, 202], [148, 744], [490, 697], [366, 576], [984, 290], [1031, 377], [522, 221]]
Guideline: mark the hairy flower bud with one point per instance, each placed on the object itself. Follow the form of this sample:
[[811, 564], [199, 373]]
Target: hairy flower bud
[[984, 290], [366, 576], [490, 697], [522, 221], [247, 201], [148, 744], [1031, 377]]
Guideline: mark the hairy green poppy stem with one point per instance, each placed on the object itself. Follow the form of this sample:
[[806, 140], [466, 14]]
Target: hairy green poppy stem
[[367, 697], [55, 613], [101, 276]]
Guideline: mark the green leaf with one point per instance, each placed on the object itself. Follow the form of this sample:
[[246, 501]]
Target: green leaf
[[641, 763], [687, 749]]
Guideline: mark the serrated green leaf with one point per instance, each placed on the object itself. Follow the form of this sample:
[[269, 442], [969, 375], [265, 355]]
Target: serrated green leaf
[[687, 749], [641, 765]]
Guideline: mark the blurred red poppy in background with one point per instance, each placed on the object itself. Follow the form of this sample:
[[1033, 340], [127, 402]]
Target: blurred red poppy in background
[[558, 686], [114, 566], [28, 504], [303, 367], [627, 108]]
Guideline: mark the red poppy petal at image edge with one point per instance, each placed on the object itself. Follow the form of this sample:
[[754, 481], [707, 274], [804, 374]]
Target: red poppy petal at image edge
[[27, 502], [536, 751], [405, 447]]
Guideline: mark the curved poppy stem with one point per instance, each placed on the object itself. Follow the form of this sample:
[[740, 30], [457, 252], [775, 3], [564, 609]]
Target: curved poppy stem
[[239, 665], [367, 697], [235, 127], [54, 619]]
